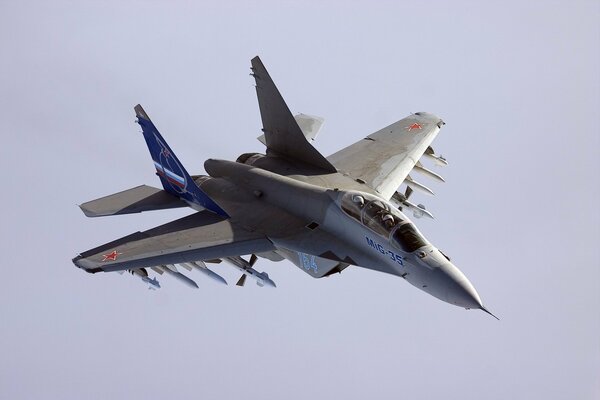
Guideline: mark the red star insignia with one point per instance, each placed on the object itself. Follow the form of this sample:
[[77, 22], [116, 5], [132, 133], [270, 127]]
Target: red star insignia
[[111, 256], [414, 126]]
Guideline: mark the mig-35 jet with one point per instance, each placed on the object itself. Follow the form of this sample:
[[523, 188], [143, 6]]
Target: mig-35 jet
[[323, 214]]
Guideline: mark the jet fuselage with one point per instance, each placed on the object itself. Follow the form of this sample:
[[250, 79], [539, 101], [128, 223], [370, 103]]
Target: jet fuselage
[[330, 226]]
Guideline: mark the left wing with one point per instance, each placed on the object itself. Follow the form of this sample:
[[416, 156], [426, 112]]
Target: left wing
[[200, 236], [384, 159]]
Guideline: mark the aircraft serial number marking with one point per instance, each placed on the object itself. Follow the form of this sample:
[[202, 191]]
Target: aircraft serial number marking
[[394, 256], [308, 261]]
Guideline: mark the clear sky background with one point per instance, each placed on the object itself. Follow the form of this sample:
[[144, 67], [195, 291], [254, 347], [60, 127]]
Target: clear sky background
[[518, 86]]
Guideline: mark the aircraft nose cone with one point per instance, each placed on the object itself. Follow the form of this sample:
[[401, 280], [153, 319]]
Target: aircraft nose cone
[[460, 291]]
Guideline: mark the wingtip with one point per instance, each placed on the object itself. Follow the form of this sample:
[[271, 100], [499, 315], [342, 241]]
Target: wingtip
[[86, 211]]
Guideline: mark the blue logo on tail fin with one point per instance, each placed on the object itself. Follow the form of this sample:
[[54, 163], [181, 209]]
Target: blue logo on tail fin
[[173, 176]]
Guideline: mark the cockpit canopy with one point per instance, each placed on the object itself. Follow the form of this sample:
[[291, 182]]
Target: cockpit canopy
[[383, 219]]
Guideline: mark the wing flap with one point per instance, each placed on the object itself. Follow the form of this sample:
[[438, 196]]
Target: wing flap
[[130, 201], [384, 159], [200, 236]]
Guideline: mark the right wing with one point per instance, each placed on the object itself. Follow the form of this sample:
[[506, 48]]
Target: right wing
[[384, 159], [200, 236]]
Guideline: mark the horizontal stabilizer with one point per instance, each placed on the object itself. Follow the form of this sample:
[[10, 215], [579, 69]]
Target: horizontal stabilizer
[[130, 201], [309, 124]]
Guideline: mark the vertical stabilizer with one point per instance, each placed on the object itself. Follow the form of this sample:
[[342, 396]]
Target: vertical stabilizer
[[173, 176], [283, 136]]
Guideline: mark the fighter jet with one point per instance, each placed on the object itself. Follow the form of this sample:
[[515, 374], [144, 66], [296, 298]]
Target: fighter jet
[[323, 214]]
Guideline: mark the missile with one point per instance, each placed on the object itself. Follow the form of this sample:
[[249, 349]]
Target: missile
[[200, 266], [421, 169], [401, 200], [186, 266], [410, 182], [245, 267], [152, 283], [158, 270], [143, 274], [172, 270], [439, 160], [262, 278]]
